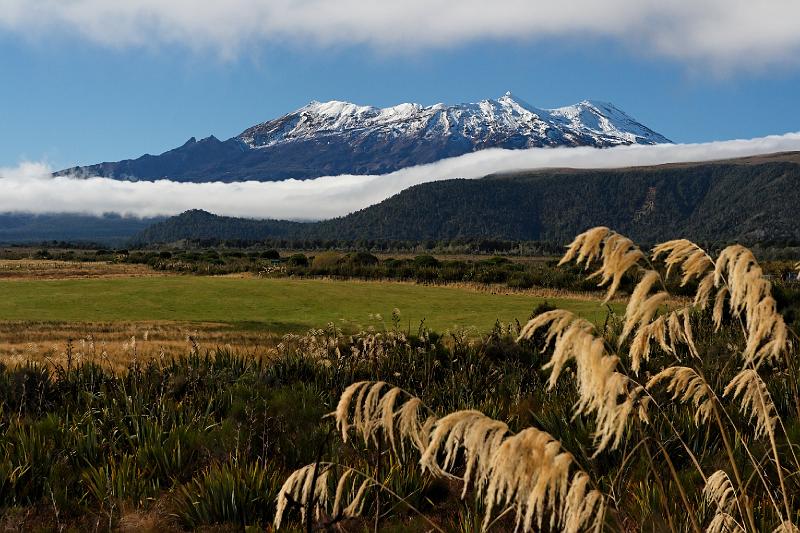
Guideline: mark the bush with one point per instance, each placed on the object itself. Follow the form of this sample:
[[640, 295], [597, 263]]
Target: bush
[[118, 481], [298, 260], [229, 493], [426, 261], [520, 280], [325, 262], [361, 259]]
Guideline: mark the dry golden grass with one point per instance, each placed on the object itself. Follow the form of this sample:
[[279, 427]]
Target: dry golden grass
[[116, 344], [47, 269], [536, 292]]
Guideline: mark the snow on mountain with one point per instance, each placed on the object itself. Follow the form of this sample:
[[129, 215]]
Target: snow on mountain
[[586, 123], [335, 137]]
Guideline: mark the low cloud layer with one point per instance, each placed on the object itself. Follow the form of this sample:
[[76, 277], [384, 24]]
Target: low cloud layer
[[30, 187], [724, 34]]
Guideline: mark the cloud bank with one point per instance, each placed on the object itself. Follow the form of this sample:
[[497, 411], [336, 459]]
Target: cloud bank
[[30, 188], [724, 34]]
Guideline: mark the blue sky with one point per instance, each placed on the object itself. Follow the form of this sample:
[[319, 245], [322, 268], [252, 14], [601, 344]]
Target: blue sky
[[74, 98]]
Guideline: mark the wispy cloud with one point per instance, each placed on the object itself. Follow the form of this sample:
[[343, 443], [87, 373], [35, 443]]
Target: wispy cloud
[[31, 188], [724, 34]]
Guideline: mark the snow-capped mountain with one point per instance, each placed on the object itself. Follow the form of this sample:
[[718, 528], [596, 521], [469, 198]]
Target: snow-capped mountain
[[344, 138], [486, 122]]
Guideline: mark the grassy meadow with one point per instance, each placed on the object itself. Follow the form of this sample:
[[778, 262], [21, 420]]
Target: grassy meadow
[[103, 311], [277, 305]]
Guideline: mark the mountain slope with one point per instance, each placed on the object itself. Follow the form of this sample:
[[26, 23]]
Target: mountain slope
[[752, 199], [342, 138]]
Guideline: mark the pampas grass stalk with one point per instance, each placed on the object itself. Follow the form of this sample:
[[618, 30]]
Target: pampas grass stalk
[[618, 254], [692, 260], [756, 400], [676, 478], [480, 437], [599, 384], [724, 523], [294, 489], [750, 298], [307, 487], [686, 385], [527, 471], [719, 491], [765, 333], [401, 416]]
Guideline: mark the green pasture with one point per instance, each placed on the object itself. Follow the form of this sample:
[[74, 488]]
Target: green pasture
[[280, 305]]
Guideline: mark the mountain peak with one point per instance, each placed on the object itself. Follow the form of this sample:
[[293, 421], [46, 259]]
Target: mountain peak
[[508, 95], [338, 137], [510, 99]]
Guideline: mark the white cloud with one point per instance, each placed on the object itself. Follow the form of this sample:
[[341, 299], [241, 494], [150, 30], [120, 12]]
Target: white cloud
[[31, 188], [723, 34]]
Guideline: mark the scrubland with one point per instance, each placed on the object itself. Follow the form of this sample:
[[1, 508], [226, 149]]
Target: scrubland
[[673, 405]]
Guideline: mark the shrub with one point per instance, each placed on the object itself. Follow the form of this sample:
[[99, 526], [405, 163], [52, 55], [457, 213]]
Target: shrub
[[298, 260], [325, 262], [520, 280], [361, 259], [426, 261], [242, 494], [118, 481]]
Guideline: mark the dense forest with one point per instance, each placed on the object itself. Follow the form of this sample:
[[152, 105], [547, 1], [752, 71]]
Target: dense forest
[[748, 200]]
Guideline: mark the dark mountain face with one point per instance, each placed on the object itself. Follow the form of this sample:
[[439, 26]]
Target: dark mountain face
[[341, 138], [749, 200]]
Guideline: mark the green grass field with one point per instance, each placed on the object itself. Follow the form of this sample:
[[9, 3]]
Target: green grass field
[[275, 304]]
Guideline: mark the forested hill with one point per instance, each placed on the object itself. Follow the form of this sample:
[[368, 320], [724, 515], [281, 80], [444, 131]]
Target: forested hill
[[750, 199]]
